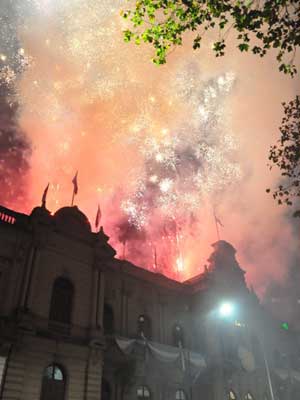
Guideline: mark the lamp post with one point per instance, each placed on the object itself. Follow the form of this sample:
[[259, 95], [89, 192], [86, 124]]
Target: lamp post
[[268, 371], [227, 310]]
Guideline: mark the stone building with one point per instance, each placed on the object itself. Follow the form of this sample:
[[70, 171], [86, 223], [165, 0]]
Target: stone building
[[77, 323]]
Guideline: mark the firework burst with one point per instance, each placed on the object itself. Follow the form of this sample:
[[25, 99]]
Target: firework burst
[[73, 78]]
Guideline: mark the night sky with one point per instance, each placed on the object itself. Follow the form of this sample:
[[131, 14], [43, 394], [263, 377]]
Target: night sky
[[161, 149]]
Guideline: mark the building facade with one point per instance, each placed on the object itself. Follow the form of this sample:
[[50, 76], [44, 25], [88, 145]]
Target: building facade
[[77, 323]]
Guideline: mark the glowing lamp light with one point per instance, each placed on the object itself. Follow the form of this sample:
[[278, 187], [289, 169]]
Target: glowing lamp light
[[285, 326], [180, 264], [226, 309]]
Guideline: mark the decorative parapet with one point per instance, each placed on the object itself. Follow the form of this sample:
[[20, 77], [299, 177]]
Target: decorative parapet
[[10, 217]]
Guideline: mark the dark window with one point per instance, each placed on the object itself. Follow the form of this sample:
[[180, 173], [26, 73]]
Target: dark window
[[61, 301], [143, 392], [108, 319], [178, 337], [105, 390], [144, 326], [180, 395], [53, 383]]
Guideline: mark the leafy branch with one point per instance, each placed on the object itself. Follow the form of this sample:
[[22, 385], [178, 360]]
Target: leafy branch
[[286, 153], [259, 26]]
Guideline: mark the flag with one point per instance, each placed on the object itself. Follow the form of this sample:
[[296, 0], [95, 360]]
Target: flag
[[74, 181], [218, 221], [98, 217], [45, 196]]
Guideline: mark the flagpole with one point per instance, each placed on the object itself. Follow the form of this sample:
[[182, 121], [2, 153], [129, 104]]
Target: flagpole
[[75, 187], [44, 198], [124, 248], [262, 342], [155, 258], [73, 196], [217, 228], [98, 217]]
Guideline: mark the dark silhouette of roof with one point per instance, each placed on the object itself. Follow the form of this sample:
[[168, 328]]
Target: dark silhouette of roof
[[71, 219]]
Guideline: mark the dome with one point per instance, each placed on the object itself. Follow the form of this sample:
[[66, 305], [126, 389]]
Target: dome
[[40, 214], [72, 220], [222, 245], [223, 258]]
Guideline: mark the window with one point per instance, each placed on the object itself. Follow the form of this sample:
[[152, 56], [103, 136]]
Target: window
[[178, 338], [180, 395], [53, 383], [105, 390], [232, 395], [144, 326], [143, 392], [108, 319], [61, 301], [249, 396]]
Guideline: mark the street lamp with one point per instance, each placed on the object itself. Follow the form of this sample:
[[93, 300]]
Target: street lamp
[[226, 309]]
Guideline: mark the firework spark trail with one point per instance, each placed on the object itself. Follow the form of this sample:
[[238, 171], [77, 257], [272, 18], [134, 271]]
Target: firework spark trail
[[184, 165], [180, 162], [154, 146]]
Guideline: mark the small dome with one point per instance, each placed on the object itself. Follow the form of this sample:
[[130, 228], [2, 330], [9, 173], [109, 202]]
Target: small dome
[[40, 214], [222, 245], [72, 220], [223, 258]]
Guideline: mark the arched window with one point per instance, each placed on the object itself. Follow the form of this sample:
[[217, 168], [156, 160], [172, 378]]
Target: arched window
[[144, 326], [180, 395], [143, 392], [53, 383], [61, 301], [231, 395], [105, 390], [108, 319], [178, 337], [249, 396]]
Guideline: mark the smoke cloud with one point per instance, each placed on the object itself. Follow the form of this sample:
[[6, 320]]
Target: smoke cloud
[[14, 145], [170, 153]]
